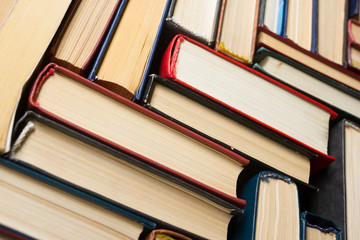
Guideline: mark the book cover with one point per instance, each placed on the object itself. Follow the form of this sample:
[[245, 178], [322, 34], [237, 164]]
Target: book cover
[[168, 70], [280, 16], [312, 225], [136, 109], [281, 45], [345, 107]]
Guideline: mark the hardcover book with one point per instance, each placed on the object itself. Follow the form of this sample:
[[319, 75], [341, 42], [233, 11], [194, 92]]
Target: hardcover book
[[83, 34], [33, 204], [97, 112], [224, 126], [272, 209], [136, 36], [353, 45], [309, 82], [196, 19], [237, 29], [272, 15], [18, 61], [339, 182], [120, 178], [311, 60], [251, 94], [316, 227]]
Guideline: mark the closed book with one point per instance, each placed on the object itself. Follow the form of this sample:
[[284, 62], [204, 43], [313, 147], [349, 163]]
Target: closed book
[[316, 227], [224, 126], [340, 182], [123, 179], [353, 45], [196, 19], [45, 203], [314, 61], [237, 30], [250, 93], [97, 112], [272, 208], [124, 74], [83, 34], [25, 35], [309, 82], [272, 15]]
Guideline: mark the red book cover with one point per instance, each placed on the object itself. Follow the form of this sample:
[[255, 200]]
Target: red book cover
[[49, 70], [309, 59], [168, 70]]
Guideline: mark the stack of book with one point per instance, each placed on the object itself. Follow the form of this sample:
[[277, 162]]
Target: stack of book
[[180, 119]]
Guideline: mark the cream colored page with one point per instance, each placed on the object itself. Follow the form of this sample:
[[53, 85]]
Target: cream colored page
[[277, 211], [230, 132], [50, 208], [316, 234], [6, 7], [23, 41], [311, 85], [116, 179], [355, 30], [133, 130], [197, 16], [352, 168], [237, 32], [253, 95]]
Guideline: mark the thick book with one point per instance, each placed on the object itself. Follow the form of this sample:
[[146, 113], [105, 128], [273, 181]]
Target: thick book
[[340, 181], [196, 19], [316, 227], [331, 41], [121, 178], [353, 45], [19, 58], [83, 34], [236, 34], [309, 82], [224, 126], [272, 208], [33, 202], [135, 33], [164, 234], [250, 93], [311, 60], [97, 112]]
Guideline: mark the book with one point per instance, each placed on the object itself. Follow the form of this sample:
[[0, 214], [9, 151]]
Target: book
[[237, 29], [33, 205], [272, 15], [220, 124], [18, 59], [353, 46], [250, 93], [164, 234], [130, 127], [197, 19], [316, 227], [301, 23], [84, 33], [141, 21], [6, 10], [331, 42], [311, 60], [272, 208], [339, 182], [121, 178], [309, 82]]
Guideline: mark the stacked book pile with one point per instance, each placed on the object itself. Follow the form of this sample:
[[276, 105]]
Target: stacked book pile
[[180, 119]]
